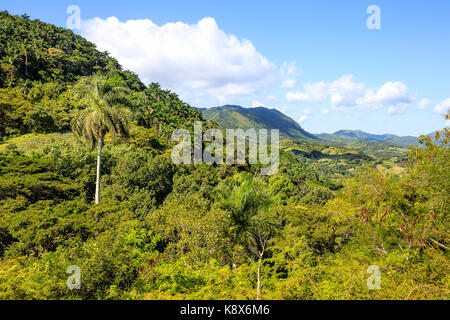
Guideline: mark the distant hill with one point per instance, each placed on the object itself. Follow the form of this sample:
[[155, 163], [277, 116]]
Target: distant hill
[[357, 135], [231, 116]]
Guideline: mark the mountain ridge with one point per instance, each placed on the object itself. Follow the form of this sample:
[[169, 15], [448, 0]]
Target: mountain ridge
[[234, 116], [359, 135]]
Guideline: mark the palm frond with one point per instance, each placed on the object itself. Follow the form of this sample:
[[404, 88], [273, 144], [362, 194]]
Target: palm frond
[[107, 109]]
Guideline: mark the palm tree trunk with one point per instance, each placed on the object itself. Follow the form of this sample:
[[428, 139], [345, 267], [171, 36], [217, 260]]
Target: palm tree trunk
[[258, 290], [99, 161]]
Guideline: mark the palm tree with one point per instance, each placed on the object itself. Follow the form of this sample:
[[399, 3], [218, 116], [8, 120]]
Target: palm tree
[[263, 227], [107, 111], [24, 51], [250, 223]]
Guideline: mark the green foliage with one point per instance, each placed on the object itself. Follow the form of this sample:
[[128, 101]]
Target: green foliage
[[196, 231], [28, 177], [134, 174], [106, 109], [13, 108], [39, 120], [31, 50], [190, 229], [205, 232], [230, 117], [55, 100], [164, 111]]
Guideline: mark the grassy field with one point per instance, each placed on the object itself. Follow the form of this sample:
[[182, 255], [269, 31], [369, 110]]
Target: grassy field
[[36, 141]]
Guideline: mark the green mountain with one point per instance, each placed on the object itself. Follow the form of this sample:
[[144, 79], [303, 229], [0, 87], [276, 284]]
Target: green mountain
[[357, 135], [231, 116]]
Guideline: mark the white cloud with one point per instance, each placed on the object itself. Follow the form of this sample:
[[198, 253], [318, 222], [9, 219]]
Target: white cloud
[[390, 94], [198, 60], [345, 93], [290, 69], [443, 107], [258, 104], [288, 83], [306, 113], [303, 118], [398, 108], [324, 111], [423, 103], [391, 110]]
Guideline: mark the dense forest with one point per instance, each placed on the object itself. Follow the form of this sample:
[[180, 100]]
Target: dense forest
[[149, 229]]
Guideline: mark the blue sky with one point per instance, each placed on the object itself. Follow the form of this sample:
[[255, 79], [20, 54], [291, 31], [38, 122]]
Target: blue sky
[[316, 61]]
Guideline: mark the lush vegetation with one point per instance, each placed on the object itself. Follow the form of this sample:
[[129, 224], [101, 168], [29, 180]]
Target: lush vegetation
[[165, 231], [357, 135], [229, 117]]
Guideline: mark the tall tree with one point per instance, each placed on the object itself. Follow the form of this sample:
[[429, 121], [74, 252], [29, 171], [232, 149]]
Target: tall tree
[[24, 51], [107, 111], [251, 225]]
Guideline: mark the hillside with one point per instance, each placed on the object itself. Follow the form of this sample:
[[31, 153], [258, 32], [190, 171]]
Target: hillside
[[230, 116], [32, 50], [41, 66], [357, 135], [88, 184]]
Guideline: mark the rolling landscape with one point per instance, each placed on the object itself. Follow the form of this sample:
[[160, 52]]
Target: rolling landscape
[[87, 180], [357, 135]]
